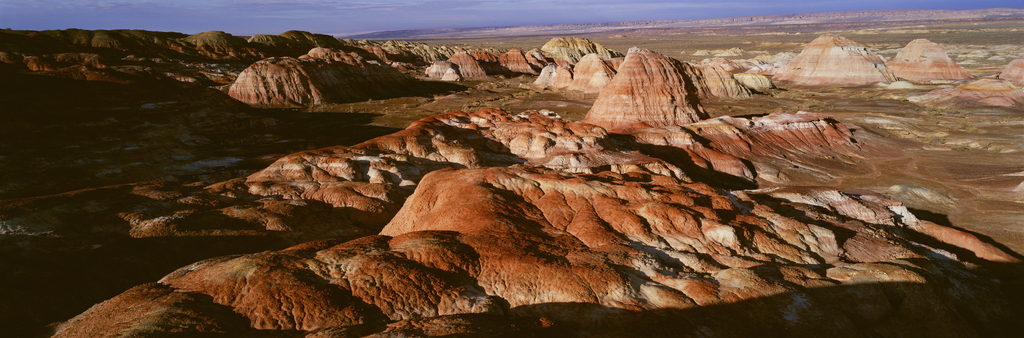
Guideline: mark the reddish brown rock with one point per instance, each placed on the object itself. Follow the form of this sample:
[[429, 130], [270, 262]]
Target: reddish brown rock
[[537, 59], [572, 49], [514, 61], [371, 179], [605, 253], [650, 90], [591, 74], [288, 82], [984, 92], [468, 66], [923, 61], [832, 60], [1014, 72]]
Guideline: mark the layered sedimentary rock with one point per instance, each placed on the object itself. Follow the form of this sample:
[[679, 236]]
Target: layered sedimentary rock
[[221, 45], [755, 82], [514, 61], [713, 81], [327, 78], [468, 66], [984, 92], [554, 77], [572, 49], [609, 253], [923, 61], [372, 178], [443, 70], [650, 90], [591, 74], [832, 60], [1014, 72]]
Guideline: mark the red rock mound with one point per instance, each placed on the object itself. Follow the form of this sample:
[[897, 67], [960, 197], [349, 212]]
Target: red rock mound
[[591, 74], [832, 60], [984, 92], [321, 77], [514, 61], [605, 253], [468, 66], [554, 77], [650, 90], [1014, 72], [372, 178], [923, 61]]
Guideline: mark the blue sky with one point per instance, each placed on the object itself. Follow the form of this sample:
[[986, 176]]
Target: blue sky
[[351, 17]]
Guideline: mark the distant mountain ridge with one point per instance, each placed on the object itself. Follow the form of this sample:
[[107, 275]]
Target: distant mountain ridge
[[809, 18]]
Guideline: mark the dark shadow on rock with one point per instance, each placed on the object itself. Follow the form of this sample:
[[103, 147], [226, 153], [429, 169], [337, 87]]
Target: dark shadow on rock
[[48, 279], [859, 310]]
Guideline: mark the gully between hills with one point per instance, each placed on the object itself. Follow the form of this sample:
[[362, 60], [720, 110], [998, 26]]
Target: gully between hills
[[643, 219]]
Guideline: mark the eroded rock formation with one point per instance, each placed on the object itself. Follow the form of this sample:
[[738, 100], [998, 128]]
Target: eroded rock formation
[[984, 92], [321, 77], [832, 60], [591, 74], [650, 90], [572, 49], [469, 68], [608, 253], [1014, 72], [923, 61]]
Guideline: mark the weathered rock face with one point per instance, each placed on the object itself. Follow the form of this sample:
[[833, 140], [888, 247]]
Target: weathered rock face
[[372, 178], [444, 71], [1014, 72], [333, 78], [755, 82], [832, 60], [572, 49], [591, 74], [602, 253], [650, 90], [554, 77], [514, 61], [468, 66], [713, 81], [221, 45], [923, 61], [984, 92]]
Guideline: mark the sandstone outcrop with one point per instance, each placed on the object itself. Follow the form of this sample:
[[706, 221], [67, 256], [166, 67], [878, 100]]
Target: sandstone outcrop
[[554, 77], [1014, 72], [572, 49], [713, 81], [832, 60], [755, 82], [591, 74], [323, 78], [221, 45], [372, 178], [923, 61], [602, 253], [514, 61], [444, 71], [984, 92], [650, 90], [469, 68]]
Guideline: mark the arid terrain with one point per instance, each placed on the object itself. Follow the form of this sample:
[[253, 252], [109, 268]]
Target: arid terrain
[[857, 178]]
